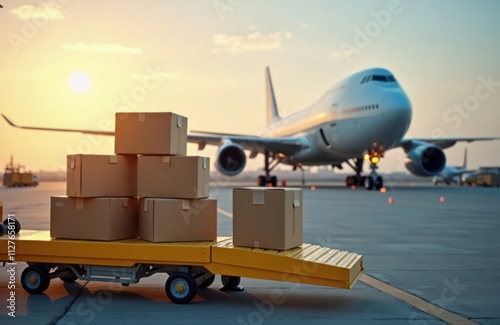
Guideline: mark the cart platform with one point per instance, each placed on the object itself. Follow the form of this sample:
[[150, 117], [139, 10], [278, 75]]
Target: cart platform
[[308, 264]]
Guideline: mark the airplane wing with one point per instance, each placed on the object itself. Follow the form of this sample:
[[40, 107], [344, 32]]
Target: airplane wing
[[255, 144], [441, 142], [459, 173], [59, 130]]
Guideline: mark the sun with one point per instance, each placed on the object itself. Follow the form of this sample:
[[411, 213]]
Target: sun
[[80, 82]]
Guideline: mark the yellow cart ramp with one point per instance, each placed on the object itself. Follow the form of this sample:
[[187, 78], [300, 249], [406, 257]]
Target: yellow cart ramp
[[309, 264]]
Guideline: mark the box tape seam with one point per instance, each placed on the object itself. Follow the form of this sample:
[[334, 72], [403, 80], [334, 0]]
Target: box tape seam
[[79, 204], [72, 162], [185, 205], [258, 197]]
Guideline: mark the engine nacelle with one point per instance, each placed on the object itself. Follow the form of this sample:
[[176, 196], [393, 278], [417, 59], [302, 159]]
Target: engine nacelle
[[231, 159], [425, 160]]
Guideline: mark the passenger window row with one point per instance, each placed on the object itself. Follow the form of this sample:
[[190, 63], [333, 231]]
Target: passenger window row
[[360, 108]]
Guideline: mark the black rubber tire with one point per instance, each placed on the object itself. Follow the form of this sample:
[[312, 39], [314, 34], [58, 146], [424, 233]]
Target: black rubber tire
[[207, 283], [3, 229], [35, 279], [261, 181], [273, 181], [230, 281], [350, 181], [17, 224], [379, 183], [369, 183], [181, 288], [70, 278]]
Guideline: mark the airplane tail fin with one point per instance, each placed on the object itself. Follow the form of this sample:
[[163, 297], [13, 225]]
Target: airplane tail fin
[[465, 159], [272, 107]]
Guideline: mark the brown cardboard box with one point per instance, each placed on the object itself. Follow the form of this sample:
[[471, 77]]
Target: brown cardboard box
[[171, 220], [101, 176], [93, 218], [150, 134], [173, 177], [269, 218]]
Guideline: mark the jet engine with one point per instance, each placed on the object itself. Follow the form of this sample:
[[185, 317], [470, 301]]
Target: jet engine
[[231, 159], [425, 160]]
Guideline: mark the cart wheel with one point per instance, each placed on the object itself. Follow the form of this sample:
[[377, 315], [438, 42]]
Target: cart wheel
[[17, 224], [3, 229], [181, 288], [207, 283], [35, 279], [69, 278], [230, 281]]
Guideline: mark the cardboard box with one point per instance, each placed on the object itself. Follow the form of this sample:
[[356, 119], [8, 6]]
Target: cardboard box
[[101, 176], [93, 218], [150, 134], [172, 220], [269, 218], [173, 177]]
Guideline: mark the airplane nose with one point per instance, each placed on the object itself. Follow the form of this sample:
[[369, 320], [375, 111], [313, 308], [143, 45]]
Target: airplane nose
[[396, 108]]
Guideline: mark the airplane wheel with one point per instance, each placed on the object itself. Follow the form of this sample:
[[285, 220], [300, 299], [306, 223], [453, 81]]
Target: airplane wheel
[[379, 183], [261, 181], [273, 181], [369, 183], [350, 181]]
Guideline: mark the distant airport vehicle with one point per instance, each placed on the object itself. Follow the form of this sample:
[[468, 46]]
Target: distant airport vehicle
[[452, 174], [488, 179], [357, 119], [15, 175]]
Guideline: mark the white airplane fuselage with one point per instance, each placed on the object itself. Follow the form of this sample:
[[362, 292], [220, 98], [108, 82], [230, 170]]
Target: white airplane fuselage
[[358, 114]]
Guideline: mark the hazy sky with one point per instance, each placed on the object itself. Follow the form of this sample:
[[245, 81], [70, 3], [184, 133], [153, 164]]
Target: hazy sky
[[206, 60]]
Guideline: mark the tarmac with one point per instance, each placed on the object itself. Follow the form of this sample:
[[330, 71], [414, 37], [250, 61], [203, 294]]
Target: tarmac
[[432, 256]]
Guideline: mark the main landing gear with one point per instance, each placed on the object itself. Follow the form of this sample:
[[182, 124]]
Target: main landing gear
[[370, 182], [269, 165]]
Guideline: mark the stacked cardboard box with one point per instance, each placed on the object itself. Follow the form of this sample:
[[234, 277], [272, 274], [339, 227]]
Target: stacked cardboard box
[[269, 218], [100, 201], [149, 188], [173, 188]]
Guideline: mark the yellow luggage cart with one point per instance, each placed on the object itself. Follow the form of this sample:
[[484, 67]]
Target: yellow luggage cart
[[190, 265]]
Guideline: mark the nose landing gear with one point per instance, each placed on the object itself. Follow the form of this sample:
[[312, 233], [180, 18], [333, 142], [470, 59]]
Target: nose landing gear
[[370, 182]]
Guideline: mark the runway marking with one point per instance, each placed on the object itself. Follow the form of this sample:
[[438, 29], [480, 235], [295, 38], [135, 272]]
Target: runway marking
[[407, 297], [225, 213], [415, 301]]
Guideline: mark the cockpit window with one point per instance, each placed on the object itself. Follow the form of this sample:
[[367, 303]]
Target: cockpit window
[[378, 77]]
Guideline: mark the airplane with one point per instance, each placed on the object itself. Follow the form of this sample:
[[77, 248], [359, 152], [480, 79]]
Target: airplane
[[452, 174], [357, 119]]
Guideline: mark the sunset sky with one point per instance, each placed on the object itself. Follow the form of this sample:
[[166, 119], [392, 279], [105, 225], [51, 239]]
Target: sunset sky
[[73, 64]]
